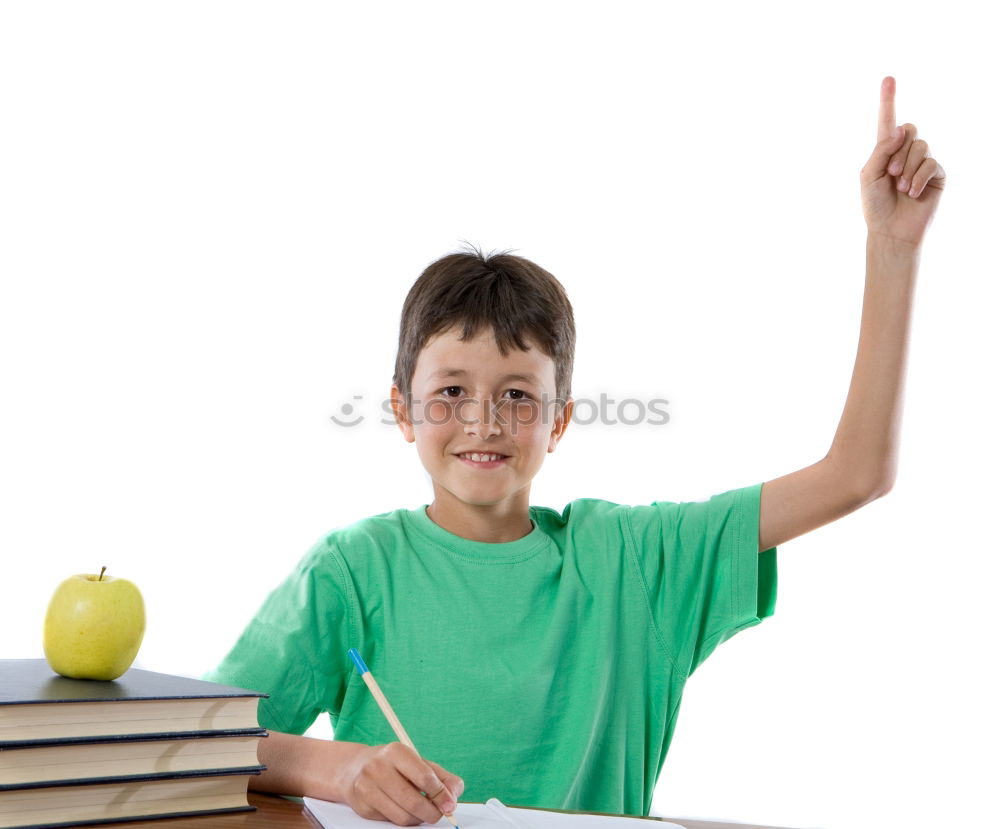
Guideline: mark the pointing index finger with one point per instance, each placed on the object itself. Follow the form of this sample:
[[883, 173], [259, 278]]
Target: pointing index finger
[[887, 108]]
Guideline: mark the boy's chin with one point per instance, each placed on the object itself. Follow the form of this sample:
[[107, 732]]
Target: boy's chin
[[474, 496]]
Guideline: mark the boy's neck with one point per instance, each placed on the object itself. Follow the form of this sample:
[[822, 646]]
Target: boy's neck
[[493, 523]]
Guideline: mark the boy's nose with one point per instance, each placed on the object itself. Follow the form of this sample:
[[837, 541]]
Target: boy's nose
[[481, 419]]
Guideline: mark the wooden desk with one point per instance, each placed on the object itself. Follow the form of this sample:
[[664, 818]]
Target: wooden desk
[[274, 812]]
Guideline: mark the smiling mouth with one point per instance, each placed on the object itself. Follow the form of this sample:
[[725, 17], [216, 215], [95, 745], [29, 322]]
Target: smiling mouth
[[483, 460]]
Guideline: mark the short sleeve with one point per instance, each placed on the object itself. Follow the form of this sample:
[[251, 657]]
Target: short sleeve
[[285, 649], [703, 575]]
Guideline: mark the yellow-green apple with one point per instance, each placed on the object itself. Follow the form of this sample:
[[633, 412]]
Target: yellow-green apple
[[94, 626]]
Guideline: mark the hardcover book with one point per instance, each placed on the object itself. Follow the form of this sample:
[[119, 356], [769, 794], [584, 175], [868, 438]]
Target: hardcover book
[[146, 745], [38, 704]]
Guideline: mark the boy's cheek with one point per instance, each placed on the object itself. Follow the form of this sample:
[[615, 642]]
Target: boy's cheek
[[528, 417], [434, 413]]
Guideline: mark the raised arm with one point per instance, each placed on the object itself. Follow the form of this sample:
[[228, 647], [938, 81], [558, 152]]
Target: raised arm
[[900, 188]]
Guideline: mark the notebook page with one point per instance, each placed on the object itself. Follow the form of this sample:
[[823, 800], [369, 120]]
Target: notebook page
[[479, 816]]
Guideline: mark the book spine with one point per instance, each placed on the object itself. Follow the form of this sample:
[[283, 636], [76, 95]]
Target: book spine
[[98, 821], [133, 778], [132, 738]]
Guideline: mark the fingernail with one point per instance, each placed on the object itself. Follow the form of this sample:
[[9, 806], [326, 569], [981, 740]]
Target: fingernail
[[448, 807], [903, 184], [895, 168]]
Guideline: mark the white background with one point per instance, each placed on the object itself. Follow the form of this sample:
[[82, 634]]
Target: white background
[[211, 214]]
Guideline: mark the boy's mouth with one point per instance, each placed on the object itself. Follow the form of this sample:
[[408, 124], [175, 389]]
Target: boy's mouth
[[482, 460]]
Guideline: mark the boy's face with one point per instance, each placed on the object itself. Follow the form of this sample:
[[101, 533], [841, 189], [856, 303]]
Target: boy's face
[[464, 400]]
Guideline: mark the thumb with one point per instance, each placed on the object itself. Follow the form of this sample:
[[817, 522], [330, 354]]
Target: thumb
[[879, 161]]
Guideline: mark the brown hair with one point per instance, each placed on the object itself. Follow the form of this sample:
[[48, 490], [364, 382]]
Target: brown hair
[[512, 295]]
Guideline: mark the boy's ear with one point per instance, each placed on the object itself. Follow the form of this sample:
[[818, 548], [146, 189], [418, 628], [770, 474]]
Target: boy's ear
[[400, 413], [561, 422]]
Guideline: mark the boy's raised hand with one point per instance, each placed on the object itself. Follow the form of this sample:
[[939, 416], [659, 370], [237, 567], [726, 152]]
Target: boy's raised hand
[[901, 184], [385, 783]]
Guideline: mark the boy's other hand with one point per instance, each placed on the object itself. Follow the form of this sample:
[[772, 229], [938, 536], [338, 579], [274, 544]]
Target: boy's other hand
[[385, 783], [901, 184]]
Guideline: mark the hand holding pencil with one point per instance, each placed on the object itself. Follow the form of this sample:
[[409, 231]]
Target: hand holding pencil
[[393, 782]]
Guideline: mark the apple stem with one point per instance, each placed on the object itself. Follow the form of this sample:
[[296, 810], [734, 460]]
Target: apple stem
[[102, 573]]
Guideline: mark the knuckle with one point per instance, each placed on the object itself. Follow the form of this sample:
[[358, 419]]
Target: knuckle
[[430, 783], [389, 753], [371, 770], [364, 782]]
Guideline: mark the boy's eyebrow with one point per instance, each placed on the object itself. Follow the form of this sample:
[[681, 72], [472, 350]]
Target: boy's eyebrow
[[461, 372]]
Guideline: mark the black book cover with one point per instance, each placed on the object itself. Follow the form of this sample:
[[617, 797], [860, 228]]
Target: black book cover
[[25, 681]]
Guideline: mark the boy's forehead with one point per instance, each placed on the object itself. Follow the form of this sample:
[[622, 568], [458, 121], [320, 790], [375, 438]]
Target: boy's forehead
[[445, 355]]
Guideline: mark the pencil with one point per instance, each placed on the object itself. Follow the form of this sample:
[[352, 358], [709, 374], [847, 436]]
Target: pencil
[[383, 703]]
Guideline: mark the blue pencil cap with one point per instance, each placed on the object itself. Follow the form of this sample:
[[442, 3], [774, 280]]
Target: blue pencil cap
[[359, 663]]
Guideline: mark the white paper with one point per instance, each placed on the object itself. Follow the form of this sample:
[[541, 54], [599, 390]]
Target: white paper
[[505, 813], [479, 816]]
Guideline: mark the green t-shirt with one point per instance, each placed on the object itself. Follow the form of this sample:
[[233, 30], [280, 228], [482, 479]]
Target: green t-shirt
[[546, 671]]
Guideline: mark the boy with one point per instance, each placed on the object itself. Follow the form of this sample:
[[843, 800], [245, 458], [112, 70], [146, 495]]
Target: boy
[[560, 685]]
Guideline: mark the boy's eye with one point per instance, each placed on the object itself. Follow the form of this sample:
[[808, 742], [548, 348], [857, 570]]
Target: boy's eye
[[447, 391]]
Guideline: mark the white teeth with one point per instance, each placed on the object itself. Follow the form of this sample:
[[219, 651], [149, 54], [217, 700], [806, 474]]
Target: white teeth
[[480, 458]]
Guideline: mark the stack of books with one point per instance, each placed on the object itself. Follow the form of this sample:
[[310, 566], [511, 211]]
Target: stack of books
[[146, 745]]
